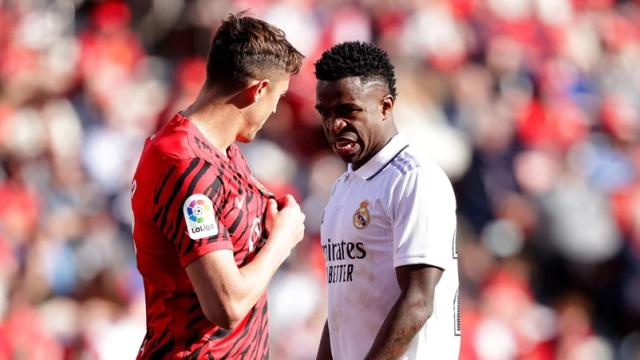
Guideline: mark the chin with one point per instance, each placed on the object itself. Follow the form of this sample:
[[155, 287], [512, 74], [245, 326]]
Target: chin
[[347, 158]]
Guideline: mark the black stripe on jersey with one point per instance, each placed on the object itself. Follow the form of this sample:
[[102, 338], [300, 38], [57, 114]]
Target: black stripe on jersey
[[250, 195], [257, 340], [256, 347], [195, 320], [219, 334], [258, 336], [225, 237], [205, 166], [156, 216], [210, 357], [264, 346], [162, 184], [194, 335], [176, 188], [236, 222], [163, 350], [243, 353], [213, 189], [179, 216], [237, 182], [252, 314], [195, 354], [190, 245]]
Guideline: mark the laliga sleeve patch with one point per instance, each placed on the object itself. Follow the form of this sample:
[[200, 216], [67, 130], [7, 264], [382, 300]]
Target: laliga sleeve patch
[[199, 216]]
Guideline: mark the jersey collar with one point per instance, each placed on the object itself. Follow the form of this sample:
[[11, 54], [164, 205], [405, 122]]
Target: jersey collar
[[383, 157]]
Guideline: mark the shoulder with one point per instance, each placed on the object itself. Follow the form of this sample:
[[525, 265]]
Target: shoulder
[[172, 143], [413, 170], [171, 153], [408, 163], [404, 162]]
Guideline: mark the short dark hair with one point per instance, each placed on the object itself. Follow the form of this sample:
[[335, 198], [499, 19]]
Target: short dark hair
[[356, 58], [246, 48]]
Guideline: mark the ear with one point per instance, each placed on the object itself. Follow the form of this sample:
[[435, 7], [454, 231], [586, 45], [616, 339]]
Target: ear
[[386, 105], [257, 89]]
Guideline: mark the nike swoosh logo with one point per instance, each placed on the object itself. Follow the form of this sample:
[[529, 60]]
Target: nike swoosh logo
[[241, 201]]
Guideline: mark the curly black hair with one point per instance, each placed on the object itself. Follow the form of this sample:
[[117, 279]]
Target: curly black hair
[[356, 58]]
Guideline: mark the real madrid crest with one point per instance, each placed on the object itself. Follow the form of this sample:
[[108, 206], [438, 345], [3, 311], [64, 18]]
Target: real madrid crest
[[362, 217]]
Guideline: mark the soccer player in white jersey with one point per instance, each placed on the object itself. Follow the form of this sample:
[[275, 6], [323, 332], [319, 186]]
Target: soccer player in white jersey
[[388, 231]]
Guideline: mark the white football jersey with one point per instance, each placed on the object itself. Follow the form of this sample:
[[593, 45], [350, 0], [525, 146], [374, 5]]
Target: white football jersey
[[395, 210]]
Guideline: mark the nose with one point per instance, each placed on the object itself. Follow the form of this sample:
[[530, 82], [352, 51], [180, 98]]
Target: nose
[[336, 125]]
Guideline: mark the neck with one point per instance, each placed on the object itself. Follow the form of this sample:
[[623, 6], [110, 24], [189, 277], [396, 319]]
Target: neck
[[216, 118], [375, 149]]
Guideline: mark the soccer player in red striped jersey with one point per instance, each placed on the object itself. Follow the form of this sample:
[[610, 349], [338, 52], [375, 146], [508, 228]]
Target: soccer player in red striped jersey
[[208, 236]]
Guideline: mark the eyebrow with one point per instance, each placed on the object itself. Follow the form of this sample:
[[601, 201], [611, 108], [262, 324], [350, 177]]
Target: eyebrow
[[348, 105], [341, 104]]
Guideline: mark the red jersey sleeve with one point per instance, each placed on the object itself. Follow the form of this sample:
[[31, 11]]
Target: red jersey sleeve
[[187, 207]]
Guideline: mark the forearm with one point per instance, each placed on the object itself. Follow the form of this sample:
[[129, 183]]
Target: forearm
[[227, 293], [404, 320], [324, 349], [255, 276]]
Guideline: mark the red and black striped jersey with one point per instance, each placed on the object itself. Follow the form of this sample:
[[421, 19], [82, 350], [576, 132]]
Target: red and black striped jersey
[[190, 199]]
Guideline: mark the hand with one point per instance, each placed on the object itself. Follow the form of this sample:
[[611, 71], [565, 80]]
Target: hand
[[285, 220]]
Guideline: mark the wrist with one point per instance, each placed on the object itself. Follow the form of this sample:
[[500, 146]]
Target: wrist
[[278, 246]]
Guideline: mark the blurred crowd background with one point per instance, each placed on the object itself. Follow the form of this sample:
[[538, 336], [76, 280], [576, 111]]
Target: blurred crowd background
[[532, 107]]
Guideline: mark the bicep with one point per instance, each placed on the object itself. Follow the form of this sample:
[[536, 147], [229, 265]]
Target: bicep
[[212, 276], [419, 280]]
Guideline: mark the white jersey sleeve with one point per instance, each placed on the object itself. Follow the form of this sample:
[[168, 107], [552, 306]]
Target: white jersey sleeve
[[423, 216]]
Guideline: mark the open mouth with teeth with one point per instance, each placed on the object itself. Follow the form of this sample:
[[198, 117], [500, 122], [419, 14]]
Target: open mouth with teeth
[[344, 144], [345, 147]]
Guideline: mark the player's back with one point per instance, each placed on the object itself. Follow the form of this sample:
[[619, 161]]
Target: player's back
[[180, 199]]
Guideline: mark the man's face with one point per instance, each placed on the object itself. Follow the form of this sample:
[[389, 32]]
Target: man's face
[[264, 106], [355, 117]]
